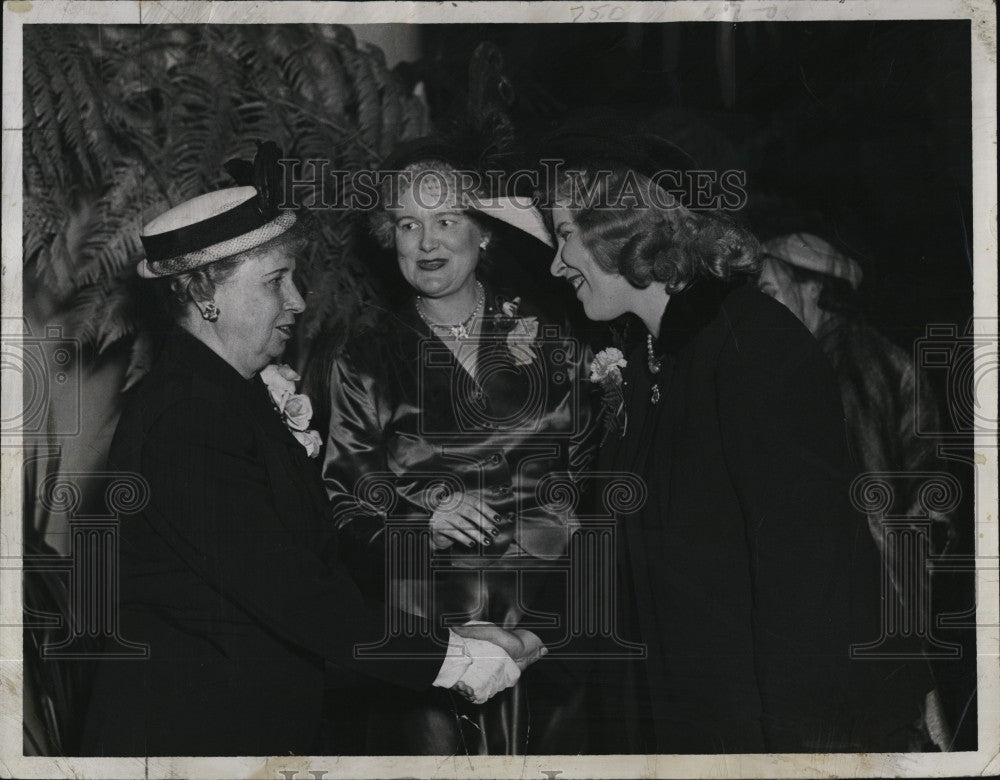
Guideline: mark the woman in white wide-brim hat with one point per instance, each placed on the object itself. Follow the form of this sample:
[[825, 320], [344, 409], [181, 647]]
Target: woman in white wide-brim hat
[[451, 418], [221, 575]]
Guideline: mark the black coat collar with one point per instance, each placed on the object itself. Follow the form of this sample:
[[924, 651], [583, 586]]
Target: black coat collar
[[181, 348], [209, 370], [689, 311]]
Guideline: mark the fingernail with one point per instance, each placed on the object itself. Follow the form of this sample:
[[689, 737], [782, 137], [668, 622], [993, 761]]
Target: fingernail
[[495, 531], [496, 518], [487, 540]]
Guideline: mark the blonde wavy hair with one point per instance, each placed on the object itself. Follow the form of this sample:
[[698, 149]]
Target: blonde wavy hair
[[647, 236]]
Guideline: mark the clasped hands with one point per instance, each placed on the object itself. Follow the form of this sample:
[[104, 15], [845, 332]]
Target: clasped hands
[[498, 655], [498, 658]]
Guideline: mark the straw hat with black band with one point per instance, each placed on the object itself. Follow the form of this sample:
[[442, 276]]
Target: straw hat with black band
[[219, 224]]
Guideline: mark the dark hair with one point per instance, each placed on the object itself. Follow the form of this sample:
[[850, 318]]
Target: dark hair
[[175, 292], [646, 235]]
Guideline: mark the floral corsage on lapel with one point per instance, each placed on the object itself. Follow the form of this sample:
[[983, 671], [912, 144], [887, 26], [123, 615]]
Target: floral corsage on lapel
[[522, 332], [295, 408], [606, 372]]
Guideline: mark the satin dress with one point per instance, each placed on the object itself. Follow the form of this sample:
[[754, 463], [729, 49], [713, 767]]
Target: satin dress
[[412, 430]]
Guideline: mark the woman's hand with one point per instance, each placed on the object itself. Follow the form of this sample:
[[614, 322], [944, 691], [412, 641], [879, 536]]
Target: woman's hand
[[523, 646], [467, 524]]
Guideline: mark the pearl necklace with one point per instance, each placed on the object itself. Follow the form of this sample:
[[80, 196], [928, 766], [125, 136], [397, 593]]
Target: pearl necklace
[[460, 331], [653, 364]]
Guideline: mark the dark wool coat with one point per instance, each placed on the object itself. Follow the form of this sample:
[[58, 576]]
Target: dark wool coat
[[226, 576], [747, 573]]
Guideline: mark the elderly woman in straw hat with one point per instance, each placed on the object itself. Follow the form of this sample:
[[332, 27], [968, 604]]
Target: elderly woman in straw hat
[[221, 575]]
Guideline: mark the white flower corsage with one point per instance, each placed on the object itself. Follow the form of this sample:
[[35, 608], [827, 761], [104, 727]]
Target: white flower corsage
[[606, 371], [295, 408], [606, 367], [521, 333]]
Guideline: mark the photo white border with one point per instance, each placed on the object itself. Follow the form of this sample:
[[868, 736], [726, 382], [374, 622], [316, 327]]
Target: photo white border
[[985, 761]]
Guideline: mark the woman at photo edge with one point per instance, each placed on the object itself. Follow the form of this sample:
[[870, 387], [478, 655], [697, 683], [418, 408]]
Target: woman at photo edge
[[747, 572], [222, 574]]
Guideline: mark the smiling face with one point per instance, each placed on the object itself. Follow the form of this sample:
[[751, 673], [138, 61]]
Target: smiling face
[[257, 304], [604, 295], [437, 244]]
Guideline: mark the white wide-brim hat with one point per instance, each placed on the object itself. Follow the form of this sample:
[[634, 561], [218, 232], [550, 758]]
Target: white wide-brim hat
[[804, 250], [517, 211], [208, 228]]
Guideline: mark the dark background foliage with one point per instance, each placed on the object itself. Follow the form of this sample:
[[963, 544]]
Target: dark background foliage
[[121, 122]]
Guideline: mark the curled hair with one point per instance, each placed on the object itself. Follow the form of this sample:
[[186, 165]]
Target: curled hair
[[633, 227], [383, 227]]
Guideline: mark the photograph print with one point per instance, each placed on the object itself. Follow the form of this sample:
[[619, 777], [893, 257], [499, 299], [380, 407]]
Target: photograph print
[[492, 391]]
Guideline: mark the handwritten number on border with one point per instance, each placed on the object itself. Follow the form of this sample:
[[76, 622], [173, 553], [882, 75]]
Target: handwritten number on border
[[597, 13]]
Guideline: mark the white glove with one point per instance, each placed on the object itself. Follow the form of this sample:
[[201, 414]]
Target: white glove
[[478, 669]]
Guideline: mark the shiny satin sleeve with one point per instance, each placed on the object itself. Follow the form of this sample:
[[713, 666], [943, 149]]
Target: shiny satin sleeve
[[355, 447]]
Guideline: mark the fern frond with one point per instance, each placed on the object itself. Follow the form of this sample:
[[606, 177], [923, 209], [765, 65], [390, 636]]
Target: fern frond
[[391, 109], [367, 103], [41, 125], [111, 244], [122, 122], [102, 314]]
